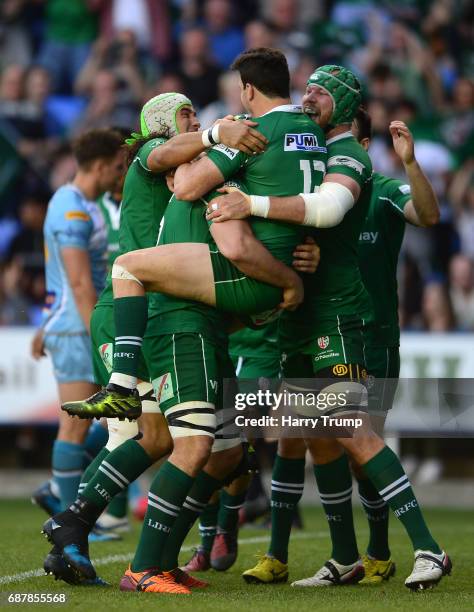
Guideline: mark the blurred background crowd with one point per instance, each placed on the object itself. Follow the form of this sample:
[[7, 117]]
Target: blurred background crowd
[[69, 65]]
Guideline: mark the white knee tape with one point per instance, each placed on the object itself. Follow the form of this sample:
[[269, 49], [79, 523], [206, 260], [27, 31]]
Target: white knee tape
[[191, 419], [148, 399], [121, 273], [120, 432]]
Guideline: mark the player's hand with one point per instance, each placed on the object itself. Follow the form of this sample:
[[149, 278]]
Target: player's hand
[[241, 135], [293, 295], [234, 205], [402, 141], [37, 345], [306, 256]]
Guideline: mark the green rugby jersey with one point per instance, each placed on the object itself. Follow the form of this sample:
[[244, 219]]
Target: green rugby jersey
[[336, 289], [256, 343], [185, 222], [110, 210], [293, 162], [145, 196], [380, 241]]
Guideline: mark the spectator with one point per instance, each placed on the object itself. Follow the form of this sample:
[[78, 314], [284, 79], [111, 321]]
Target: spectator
[[258, 34], [461, 291], [436, 307], [197, 70], [283, 17], [119, 56], [169, 81], [107, 105], [149, 22], [229, 102], [226, 41], [461, 197], [71, 27], [15, 44]]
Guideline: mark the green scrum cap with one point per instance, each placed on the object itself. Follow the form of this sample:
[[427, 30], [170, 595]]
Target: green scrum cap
[[159, 114], [343, 87]]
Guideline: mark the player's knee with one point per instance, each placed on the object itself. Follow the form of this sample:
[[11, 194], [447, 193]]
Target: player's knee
[[191, 453], [124, 268]]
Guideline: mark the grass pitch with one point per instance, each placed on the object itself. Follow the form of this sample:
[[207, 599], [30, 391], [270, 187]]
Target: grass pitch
[[23, 549]]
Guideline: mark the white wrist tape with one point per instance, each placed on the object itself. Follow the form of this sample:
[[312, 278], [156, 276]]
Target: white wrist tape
[[259, 205], [327, 207], [210, 137], [215, 133], [205, 139]]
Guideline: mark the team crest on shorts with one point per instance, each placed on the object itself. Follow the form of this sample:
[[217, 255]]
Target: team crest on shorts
[[163, 387], [323, 342], [106, 352]]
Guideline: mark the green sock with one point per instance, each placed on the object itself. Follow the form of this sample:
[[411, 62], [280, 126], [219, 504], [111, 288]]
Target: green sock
[[123, 465], [229, 511], [377, 513], [208, 526], [334, 482], [131, 316], [386, 473], [118, 506], [165, 503], [91, 469], [195, 502], [287, 489]]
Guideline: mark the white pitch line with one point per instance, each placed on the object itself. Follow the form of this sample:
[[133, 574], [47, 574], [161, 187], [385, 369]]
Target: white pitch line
[[38, 573]]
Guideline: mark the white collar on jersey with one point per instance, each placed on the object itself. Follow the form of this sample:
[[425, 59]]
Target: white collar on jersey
[[284, 108], [347, 134]]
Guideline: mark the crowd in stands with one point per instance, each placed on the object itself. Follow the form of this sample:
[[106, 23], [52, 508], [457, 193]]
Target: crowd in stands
[[70, 65]]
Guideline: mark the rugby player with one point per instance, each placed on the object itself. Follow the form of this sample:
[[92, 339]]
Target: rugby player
[[331, 327], [144, 200], [198, 273]]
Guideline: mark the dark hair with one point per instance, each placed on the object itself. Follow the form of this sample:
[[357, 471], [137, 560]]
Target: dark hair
[[96, 144], [364, 123], [132, 149], [266, 69]]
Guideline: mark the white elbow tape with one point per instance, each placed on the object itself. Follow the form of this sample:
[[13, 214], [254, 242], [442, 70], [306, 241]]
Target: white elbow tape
[[120, 432], [120, 273], [259, 206], [327, 207]]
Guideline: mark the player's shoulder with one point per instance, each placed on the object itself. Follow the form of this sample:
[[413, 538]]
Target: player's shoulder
[[144, 151], [70, 203], [344, 150]]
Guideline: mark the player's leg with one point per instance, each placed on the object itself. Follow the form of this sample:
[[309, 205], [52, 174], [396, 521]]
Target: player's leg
[[201, 558], [383, 365], [385, 471], [121, 462], [183, 368], [225, 545]]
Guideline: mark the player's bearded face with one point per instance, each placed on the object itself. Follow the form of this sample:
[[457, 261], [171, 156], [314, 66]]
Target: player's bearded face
[[317, 103], [186, 120]]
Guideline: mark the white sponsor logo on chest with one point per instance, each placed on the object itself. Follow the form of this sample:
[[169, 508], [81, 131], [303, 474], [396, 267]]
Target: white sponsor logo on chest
[[302, 142]]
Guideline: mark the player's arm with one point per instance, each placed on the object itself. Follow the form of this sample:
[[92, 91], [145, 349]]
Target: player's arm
[[192, 181], [238, 244], [325, 207], [423, 208], [78, 270], [183, 148]]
